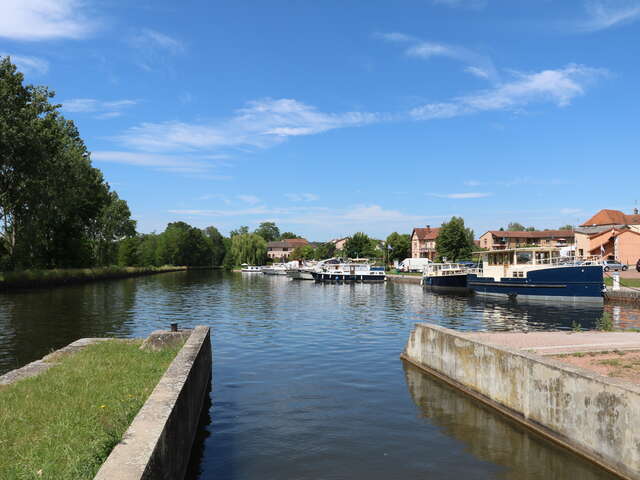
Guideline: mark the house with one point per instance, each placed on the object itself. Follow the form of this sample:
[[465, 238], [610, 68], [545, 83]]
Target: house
[[610, 234], [498, 239], [339, 242], [423, 242], [282, 249]]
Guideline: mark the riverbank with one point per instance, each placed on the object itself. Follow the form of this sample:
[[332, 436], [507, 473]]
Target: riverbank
[[64, 422], [68, 276]]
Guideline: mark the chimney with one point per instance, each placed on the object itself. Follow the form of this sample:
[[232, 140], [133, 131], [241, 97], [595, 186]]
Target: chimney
[[428, 227], [635, 211]]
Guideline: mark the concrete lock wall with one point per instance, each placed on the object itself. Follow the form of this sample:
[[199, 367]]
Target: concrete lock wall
[[158, 443], [595, 416]]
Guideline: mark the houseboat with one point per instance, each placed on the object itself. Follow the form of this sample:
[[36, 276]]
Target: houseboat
[[537, 273], [250, 269], [446, 277], [349, 273]]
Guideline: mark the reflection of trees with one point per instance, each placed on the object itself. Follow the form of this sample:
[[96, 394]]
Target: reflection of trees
[[491, 437], [35, 322]]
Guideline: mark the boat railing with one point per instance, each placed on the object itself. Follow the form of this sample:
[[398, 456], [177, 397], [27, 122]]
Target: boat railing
[[569, 261]]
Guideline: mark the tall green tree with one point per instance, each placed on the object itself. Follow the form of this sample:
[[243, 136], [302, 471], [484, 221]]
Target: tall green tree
[[216, 244], [303, 252], [325, 250], [455, 241], [248, 248], [269, 231], [398, 246], [51, 198], [566, 227], [288, 235], [360, 245], [515, 227], [113, 224], [239, 231], [182, 244]]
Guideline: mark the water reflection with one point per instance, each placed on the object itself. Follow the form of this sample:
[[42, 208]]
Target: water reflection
[[491, 437]]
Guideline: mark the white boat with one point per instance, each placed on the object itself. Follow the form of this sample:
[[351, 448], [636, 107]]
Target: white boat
[[250, 268], [302, 271], [349, 273], [278, 268], [447, 276]]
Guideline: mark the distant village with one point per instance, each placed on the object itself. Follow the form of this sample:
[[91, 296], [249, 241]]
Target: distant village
[[609, 234]]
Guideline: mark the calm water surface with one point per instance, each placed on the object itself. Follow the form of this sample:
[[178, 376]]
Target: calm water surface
[[308, 383]]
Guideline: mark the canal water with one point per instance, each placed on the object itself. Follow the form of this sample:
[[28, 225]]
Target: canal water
[[308, 383]]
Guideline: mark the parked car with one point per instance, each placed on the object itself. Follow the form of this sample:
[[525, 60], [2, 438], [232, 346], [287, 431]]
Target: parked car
[[613, 265], [638, 266]]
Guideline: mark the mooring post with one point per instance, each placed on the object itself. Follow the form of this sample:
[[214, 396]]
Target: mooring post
[[174, 327], [616, 280]]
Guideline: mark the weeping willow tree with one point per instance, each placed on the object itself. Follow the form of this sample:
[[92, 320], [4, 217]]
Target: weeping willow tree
[[248, 248]]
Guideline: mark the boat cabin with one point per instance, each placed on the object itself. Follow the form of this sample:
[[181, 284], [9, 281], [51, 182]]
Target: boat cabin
[[516, 262]]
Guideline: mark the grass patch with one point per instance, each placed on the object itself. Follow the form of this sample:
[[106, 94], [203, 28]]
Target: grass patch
[[624, 282], [64, 423], [396, 272], [611, 361], [61, 276]]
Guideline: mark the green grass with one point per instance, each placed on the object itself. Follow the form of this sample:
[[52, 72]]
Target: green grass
[[625, 282], [64, 423], [60, 276]]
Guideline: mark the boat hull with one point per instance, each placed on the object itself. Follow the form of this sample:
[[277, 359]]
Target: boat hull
[[299, 275], [325, 277], [579, 283], [448, 283]]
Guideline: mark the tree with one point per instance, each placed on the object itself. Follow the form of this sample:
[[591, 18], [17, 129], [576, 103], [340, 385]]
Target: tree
[[455, 241], [216, 244], [515, 227], [248, 248], [56, 210], [566, 227], [398, 246], [182, 244], [325, 250], [240, 231], [303, 252], [530, 229], [269, 231], [360, 245], [288, 235]]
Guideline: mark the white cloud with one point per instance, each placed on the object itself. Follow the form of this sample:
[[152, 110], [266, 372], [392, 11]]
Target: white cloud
[[250, 199], [570, 211], [28, 65], [167, 163], [472, 183], [34, 20], [603, 14], [151, 48], [472, 4], [477, 64], [556, 86], [260, 124], [301, 197], [461, 195], [104, 110]]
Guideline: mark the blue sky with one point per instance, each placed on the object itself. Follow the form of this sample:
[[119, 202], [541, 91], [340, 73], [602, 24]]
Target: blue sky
[[332, 117]]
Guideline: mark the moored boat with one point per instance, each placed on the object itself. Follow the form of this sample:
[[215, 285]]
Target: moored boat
[[250, 268], [537, 274], [349, 273], [446, 277]]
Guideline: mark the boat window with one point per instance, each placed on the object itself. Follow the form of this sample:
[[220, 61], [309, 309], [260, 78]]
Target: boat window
[[524, 258]]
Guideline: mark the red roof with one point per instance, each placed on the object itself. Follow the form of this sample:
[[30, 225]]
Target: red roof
[[534, 234], [612, 217], [426, 233], [608, 234], [288, 243]]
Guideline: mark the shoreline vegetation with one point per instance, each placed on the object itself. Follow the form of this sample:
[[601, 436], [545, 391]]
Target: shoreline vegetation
[[70, 276], [63, 423]]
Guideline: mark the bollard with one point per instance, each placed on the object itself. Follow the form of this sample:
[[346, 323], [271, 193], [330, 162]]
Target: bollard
[[174, 327], [616, 280]]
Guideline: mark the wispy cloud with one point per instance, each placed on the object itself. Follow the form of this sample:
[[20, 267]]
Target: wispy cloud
[[102, 109], [476, 64], [260, 124], [250, 199], [461, 195], [603, 14], [301, 197], [33, 20], [28, 65], [571, 211], [471, 4], [151, 48], [556, 86], [472, 183], [167, 163]]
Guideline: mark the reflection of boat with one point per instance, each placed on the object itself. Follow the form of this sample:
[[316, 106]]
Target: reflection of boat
[[301, 271], [450, 277], [275, 269], [349, 273], [537, 273], [250, 268], [488, 437]]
